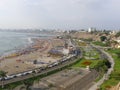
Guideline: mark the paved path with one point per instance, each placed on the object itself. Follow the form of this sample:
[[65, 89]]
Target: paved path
[[106, 76]]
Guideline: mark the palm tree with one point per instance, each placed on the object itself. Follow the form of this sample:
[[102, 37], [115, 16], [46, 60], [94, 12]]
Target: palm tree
[[28, 83], [2, 75]]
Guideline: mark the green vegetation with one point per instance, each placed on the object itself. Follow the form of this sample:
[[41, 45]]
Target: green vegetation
[[101, 43], [27, 84], [83, 63], [103, 38], [115, 75], [91, 54], [99, 65], [2, 75], [102, 66], [80, 42]]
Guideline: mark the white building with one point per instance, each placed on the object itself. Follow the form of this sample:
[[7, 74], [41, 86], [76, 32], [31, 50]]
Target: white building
[[113, 32], [65, 51], [91, 29]]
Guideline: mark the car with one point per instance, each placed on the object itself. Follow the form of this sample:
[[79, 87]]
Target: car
[[49, 66], [7, 78], [25, 73], [63, 60], [30, 72], [18, 75], [1, 79]]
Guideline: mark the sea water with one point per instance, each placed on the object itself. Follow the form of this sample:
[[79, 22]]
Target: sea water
[[10, 41]]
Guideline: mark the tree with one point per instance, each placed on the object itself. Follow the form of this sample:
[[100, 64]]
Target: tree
[[102, 66], [2, 75], [28, 83], [103, 38]]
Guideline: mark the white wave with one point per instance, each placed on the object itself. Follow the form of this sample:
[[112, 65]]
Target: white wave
[[30, 40]]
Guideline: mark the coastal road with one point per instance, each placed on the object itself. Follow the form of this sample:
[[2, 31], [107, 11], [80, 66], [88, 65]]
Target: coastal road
[[106, 76], [21, 78]]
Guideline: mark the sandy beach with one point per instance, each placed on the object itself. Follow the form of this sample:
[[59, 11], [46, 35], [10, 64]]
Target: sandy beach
[[18, 62]]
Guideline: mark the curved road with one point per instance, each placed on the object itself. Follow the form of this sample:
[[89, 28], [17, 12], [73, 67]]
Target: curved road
[[20, 78], [106, 76]]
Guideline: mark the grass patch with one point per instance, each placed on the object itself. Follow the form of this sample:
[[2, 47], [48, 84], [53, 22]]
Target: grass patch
[[81, 43], [100, 43], [83, 63], [109, 83], [91, 53], [98, 78], [114, 78]]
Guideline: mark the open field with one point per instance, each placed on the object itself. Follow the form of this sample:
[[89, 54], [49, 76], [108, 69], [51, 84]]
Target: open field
[[83, 63], [100, 43]]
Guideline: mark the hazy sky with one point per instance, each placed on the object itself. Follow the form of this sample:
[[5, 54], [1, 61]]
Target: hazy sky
[[60, 14]]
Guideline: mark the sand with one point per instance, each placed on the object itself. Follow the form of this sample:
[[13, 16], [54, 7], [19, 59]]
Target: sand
[[18, 64]]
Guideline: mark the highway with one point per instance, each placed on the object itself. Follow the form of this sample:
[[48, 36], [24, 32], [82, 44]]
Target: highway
[[47, 70]]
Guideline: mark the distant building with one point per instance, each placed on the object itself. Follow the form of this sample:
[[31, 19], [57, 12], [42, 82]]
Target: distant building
[[113, 32], [57, 51], [91, 29]]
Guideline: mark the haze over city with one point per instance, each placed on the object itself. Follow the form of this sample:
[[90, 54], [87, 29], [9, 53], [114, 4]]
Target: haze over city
[[59, 14], [59, 45]]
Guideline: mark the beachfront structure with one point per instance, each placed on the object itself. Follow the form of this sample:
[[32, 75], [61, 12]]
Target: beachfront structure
[[36, 63], [59, 51], [56, 52], [65, 51]]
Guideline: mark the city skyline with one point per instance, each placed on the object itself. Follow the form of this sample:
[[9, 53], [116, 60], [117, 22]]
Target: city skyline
[[59, 14]]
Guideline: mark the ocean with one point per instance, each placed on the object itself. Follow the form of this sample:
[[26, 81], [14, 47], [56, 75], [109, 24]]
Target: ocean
[[11, 41]]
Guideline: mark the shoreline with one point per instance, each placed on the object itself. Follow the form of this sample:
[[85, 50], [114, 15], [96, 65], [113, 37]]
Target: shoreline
[[16, 49], [22, 60], [27, 38], [36, 47], [24, 49]]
